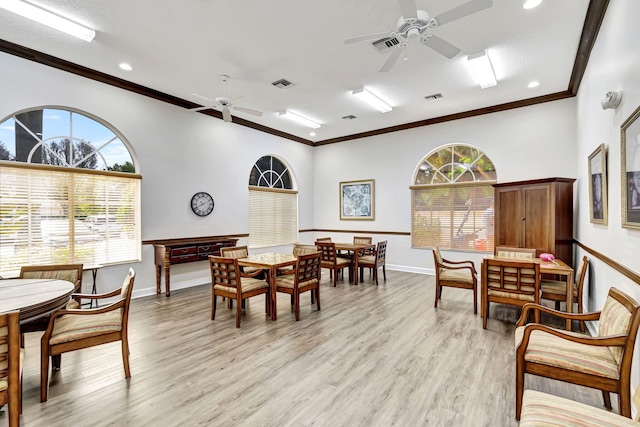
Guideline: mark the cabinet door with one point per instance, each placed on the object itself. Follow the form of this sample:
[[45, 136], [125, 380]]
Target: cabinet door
[[537, 218], [508, 219]]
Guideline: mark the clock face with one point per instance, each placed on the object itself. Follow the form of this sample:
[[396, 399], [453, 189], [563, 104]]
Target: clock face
[[202, 204]]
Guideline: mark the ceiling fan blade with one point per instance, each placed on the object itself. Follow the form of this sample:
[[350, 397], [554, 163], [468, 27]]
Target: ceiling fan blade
[[248, 111], [409, 10], [463, 10], [226, 114], [441, 46], [375, 36], [200, 108], [391, 60]]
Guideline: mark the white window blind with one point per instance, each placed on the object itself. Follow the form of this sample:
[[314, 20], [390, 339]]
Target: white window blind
[[51, 215], [273, 217], [453, 216]]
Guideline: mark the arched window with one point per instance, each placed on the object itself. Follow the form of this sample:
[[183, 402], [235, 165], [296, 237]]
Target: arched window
[[273, 204], [68, 191], [452, 200]]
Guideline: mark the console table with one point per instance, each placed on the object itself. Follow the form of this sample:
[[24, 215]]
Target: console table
[[179, 251]]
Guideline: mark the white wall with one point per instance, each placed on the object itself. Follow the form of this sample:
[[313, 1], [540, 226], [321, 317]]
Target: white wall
[[525, 143], [179, 153], [614, 65]]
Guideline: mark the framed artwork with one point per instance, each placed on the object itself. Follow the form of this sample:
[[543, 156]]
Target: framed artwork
[[630, 166], [598, 185], [357, 200]]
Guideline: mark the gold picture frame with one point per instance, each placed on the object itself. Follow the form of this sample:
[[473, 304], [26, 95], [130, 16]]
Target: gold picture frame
[[630, 168], [598, 185], [357, 200]]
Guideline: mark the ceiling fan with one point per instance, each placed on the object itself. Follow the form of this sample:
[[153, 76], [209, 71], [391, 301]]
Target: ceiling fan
[[415, 24], [224, 103]]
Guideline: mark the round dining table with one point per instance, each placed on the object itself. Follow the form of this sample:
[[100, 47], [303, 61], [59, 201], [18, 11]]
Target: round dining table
[[34, 298]]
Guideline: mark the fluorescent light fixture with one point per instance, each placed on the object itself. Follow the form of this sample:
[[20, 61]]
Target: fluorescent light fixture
[[530, 4], [372, 100], [299, 119], [48, 18], [481, 67]]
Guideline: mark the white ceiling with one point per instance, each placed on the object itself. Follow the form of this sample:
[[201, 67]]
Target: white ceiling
[[181, 48]]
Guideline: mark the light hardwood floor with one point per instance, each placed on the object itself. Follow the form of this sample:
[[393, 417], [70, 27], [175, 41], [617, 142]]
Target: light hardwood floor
[[374, 356]]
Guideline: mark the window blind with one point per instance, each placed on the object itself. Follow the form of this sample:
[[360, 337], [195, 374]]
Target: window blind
[[273, 217], [453, 216], [52, 215]]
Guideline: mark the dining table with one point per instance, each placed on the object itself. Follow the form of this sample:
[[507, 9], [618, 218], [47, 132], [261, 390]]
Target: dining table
[[34, 298], [270, 262], [555, 267], [351, 252]]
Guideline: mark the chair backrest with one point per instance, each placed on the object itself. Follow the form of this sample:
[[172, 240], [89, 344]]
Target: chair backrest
[[620, 315], [362, 240], [224, 271], [308, 268], [513, 277], [126, 291], [323, 239], [299, 249], [518, 253], [381, 252], [328, 252], [9, 358], [69, 272], [581, 273], [437, 259], [235, 252]]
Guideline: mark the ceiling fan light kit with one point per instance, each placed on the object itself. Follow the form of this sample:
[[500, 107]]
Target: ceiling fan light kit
[[49, 19], [299, 119], [373, 100], [481, 67]]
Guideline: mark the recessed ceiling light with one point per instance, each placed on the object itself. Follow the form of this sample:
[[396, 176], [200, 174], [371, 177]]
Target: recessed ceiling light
[[530, 4], [533, 84], [312, 134], [49, 19], [125, 66]]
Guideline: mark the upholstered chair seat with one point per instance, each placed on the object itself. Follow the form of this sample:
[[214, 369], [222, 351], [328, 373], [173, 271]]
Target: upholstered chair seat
[[70, 327], [542, 409], [248, 285]]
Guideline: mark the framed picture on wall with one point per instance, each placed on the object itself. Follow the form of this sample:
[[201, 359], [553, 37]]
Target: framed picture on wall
[[630, 166], [598, 185], [357, 200]]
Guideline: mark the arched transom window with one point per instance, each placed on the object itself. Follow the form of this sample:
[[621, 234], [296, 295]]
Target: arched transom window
[[273, 204], [452, 199]]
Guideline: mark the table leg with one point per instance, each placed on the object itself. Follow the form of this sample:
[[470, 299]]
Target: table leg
[[158, 276], [166, 280], [569, 298], [94, 290], [272, 290]]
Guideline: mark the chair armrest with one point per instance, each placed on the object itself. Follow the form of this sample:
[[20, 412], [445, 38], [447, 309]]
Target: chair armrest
[[113, 293], [611, 340], [287, 271], [462, 267], [561, 314], [466, 263], [254, 274]]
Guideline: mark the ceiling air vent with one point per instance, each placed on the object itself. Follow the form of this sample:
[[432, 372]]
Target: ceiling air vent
[[349, 117], [283, 84], [386, 43], [433, 97]]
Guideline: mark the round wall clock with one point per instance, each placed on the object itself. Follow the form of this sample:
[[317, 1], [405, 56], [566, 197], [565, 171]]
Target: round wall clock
[[202, 203]]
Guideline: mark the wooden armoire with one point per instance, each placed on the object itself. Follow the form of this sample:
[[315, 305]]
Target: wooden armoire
[[536, 214]]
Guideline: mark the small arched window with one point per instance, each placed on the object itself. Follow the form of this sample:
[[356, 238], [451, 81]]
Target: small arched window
[[273, 204], [68, 191], [452, 200]]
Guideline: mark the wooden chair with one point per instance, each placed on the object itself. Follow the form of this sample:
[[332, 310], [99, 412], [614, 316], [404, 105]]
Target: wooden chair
[[544, 410], [362, 240], [300, 249], [511, 252], [372, 260], [556, 290], [602, 362], [239, 252], [304, 277], [331, 260], [455, 274], [228, 281], [75, 329], [69, 272], [509, 282], [11, 366]]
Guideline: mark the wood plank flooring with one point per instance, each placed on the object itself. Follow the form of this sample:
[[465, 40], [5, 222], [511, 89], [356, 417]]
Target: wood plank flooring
[[373, 356]]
